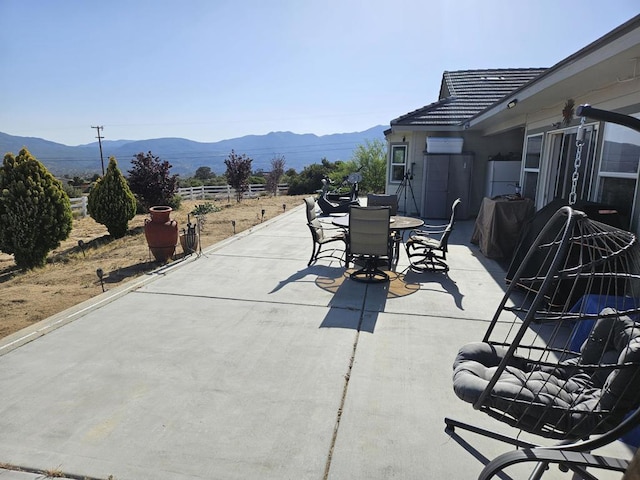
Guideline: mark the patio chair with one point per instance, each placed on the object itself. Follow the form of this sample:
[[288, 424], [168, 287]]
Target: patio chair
[[426, 252], [375, 200], [561, 371], [322, 234], [368, 240]]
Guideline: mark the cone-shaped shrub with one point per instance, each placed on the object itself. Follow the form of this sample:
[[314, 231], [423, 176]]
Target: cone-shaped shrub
[[35, 212], [111, 202]]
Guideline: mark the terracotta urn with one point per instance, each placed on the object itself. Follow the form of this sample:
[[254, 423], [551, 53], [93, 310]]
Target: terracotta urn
[[161, 232]]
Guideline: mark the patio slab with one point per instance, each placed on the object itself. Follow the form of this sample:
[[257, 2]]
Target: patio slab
[[246, 363]]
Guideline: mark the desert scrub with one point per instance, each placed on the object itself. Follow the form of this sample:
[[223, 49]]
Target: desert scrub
[[204, 208]]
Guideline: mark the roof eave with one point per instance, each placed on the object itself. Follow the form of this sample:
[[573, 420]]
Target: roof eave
[[555, 74]]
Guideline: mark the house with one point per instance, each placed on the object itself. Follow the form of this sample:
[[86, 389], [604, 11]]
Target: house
[[449, 148]]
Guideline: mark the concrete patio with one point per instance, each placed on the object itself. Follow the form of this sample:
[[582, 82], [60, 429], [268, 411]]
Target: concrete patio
[[245, 363]]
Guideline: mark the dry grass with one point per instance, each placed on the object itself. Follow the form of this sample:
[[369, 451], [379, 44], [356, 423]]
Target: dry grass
[[70, 276]]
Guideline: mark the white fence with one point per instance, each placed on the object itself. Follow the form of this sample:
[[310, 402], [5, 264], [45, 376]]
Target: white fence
[[79, 204], [225, 191]]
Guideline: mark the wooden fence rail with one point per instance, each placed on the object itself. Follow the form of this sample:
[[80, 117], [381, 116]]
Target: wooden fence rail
[[225, 191], [79, 204]]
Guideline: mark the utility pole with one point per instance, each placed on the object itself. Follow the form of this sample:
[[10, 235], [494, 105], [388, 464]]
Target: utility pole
[[100, 143]]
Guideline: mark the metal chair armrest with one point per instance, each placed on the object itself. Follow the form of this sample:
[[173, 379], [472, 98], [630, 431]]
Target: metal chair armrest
[[427, 233]]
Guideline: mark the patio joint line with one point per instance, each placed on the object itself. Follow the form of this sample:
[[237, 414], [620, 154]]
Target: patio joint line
[[345, 388]]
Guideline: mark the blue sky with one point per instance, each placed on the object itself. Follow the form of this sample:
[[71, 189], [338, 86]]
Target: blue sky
[[209, 70]]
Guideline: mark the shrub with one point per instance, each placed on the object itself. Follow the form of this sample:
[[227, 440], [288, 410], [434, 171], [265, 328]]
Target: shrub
[[204, 208], [276, 173], [238, 173], [71, 190], [35, 212], [151, 182], [111, 201]]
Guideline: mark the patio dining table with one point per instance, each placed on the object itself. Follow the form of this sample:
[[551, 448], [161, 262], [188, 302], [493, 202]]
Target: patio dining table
[[398, 224]]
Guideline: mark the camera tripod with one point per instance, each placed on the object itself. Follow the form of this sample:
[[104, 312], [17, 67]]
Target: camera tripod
[[402, 190]]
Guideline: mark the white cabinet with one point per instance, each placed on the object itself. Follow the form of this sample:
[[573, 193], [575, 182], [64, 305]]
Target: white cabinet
[[502, 177]]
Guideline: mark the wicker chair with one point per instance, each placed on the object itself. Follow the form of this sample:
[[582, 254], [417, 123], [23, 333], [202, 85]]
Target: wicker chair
[[561, 370]]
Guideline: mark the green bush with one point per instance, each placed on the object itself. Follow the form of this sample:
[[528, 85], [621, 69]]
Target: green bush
[[35, 212], [71, 190], [204, 208], [111, 202]]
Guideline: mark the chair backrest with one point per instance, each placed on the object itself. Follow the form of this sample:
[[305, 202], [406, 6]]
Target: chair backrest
[[444, 241], [314, 224], [374, 199], [310, 203], [369, 230]]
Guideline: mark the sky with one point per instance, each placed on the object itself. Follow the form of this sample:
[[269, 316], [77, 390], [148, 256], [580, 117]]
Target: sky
[[209, 70]]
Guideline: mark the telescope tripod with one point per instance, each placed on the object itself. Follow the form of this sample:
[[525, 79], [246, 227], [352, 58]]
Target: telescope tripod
[[405, 186]]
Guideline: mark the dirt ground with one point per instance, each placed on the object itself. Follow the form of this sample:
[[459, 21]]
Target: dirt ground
[[70, 275]]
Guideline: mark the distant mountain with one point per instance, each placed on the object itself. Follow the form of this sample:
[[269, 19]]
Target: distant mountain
[[185, 156]]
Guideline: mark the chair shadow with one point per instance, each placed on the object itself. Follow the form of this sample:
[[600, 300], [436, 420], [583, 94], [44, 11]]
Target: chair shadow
[[442, 278], [373, 297], [349, 296], [324, 271]]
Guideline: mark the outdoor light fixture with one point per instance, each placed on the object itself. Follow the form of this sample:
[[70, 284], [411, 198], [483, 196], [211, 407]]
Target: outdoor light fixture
[[100, 274], [233, 223], [512, 103], [284, 207], [81, 245], [262, 219]]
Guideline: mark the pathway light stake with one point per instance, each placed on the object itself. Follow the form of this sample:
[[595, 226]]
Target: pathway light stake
[[81, 245], [262, 219], [233, 223], [284, 207], [100, 274]]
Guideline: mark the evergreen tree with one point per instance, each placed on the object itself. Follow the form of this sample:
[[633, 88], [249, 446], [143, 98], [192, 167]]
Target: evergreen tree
[[35, 211], [111, 201]]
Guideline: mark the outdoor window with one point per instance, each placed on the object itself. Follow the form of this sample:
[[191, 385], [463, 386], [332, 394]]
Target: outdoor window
[[618, 174], [398, 162], [532, 154], [563, 152]]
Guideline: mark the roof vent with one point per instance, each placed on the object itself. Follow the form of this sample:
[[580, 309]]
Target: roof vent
[[492, 78]]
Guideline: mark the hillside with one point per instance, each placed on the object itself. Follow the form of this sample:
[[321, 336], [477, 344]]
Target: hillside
[[186, 156]]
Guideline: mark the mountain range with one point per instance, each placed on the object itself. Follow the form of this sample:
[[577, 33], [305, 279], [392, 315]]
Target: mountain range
[[185, 156]]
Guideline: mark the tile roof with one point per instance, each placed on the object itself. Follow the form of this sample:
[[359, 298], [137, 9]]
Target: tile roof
[[464, 93]]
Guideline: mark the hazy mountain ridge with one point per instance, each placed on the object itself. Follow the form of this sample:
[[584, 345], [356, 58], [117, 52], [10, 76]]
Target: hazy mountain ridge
[[185, 156]]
